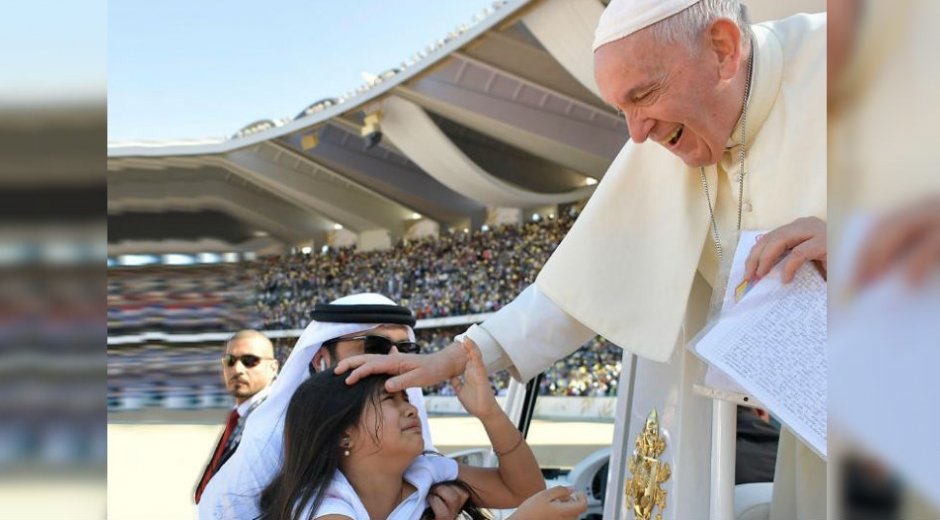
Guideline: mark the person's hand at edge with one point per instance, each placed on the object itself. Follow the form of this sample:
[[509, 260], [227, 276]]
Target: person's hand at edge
[[909, 237], [557, 503]]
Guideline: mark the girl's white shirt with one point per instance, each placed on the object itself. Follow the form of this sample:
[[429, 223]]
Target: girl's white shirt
[[424, 472]]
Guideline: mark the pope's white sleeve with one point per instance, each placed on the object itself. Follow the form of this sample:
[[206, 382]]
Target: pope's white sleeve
[[528, 335]]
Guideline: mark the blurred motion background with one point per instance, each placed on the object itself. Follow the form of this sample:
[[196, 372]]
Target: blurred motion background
[[884, 207], [884, 219], [52, 254]]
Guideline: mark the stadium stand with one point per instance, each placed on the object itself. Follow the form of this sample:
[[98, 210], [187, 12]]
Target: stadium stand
[[457, 274]]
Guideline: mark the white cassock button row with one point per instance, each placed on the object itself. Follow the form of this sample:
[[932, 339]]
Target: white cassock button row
[[747, 207]]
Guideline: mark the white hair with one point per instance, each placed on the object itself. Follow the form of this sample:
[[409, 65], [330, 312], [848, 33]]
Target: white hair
[[685, 27]]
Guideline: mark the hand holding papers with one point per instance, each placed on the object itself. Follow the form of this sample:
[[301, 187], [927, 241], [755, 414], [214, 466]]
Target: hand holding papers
[[770, 339]]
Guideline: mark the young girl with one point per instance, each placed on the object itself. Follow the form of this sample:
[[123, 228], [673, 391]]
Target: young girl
[[356, 452]]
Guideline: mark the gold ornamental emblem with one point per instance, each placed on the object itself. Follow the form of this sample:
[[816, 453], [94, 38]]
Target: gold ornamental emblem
[[644, 492]]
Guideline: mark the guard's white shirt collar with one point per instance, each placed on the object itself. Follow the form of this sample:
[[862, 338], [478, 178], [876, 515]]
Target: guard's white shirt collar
[[245, 406]]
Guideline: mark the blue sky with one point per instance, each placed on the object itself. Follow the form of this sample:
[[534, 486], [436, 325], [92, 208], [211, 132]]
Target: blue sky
[[53, 51], [188, 69]]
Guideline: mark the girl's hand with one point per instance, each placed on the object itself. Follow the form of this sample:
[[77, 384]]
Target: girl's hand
[[475, 392], [557, 503]]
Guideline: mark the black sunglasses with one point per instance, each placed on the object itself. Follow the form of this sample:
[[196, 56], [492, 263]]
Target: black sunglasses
[[248, 360], [375, 344]]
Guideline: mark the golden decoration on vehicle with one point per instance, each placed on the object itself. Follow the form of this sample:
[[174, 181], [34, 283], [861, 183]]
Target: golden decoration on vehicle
[[643, 491]]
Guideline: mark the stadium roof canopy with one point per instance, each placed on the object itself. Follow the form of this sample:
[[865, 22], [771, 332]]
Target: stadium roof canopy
[[503, 112]]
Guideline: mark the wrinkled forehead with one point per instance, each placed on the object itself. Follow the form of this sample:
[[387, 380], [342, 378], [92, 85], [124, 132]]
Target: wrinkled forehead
[[636, 53], [631, 65]]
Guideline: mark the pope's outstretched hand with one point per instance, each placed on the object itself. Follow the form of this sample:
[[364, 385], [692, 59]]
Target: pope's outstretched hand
[[409, 370]]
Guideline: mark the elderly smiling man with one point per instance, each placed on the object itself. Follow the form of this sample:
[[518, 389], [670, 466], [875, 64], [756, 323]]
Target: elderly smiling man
[[737, 113]]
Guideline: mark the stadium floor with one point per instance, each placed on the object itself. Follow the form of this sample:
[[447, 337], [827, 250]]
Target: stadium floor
[[154, 458]]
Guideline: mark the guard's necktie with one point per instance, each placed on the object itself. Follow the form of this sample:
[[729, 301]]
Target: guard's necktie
[[219, 450]]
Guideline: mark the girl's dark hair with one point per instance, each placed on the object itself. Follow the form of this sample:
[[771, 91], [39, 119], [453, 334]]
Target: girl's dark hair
[[321, 410]]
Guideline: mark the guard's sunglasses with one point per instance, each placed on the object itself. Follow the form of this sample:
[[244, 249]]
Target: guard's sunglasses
[[248, 360], [375, 344]]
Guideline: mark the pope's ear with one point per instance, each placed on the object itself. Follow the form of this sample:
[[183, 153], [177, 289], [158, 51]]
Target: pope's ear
[[724, 44]]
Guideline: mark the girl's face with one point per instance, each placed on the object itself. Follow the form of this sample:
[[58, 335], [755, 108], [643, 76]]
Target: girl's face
[[390, 427]]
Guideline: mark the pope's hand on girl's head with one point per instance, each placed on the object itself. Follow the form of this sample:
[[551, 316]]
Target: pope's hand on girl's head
[[365, 365], [409, 370]]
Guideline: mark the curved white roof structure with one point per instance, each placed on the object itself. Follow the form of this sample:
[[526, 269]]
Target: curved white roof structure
[[500, 113]]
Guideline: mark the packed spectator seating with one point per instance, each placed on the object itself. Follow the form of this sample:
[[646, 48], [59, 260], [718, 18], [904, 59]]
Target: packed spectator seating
[[591, 371], [189, 375], [206, 298], [456, 274]]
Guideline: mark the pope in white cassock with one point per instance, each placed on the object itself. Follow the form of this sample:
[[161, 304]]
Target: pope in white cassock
[[737, 116]]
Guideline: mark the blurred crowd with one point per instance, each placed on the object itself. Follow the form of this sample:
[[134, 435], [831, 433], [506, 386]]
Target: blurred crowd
[[210, 298], [591, 371], [455, 274], [189, 375]]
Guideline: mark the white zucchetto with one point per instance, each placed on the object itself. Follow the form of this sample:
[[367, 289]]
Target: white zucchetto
[[625, 17]]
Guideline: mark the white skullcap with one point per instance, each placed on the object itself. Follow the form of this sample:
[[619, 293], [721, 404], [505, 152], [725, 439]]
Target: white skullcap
[[233, 492], [369, 298], [625, 17]]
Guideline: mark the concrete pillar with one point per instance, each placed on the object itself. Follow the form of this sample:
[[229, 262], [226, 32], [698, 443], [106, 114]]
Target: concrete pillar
[[420, 228], [341, 238], [498, 216], [375, 239]]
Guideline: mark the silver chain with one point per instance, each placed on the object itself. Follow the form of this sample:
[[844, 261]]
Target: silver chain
[[741, 153]]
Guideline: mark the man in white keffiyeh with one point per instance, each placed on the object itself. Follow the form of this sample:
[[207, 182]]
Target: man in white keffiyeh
[[361, 323]]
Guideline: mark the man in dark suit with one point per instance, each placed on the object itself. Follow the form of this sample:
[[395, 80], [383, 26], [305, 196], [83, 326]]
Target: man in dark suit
[[248, 368]]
